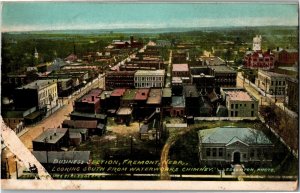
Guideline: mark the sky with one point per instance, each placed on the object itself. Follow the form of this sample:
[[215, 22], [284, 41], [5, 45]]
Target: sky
[[32, 16]]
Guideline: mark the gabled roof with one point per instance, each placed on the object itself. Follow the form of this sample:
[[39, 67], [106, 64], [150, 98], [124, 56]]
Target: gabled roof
[[235, 140]]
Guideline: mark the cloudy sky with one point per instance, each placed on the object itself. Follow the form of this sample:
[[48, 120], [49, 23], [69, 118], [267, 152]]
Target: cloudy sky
[[26, 16]]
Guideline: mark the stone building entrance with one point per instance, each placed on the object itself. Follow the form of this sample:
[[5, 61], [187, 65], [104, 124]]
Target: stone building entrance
[[236, 157]]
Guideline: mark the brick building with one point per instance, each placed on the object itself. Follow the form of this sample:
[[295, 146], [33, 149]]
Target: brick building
[[119, 79], [89, 103], [259, 60]]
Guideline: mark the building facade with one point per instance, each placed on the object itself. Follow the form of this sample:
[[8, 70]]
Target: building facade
[[259, 60], [41, 94], [288, 57], [234, 145], [292, 94], [239, 102], [119, 79], [149, 78], [271, 83]]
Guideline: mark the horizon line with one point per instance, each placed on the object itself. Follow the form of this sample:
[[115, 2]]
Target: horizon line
[[140, 28]]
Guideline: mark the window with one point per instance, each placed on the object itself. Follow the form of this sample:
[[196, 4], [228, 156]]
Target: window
[[259, 153], [220, 152], [214, 152], [231, 113], [244, 156], [252, 106], [252, 113], [272, 83], [232, 106], [240, 105], [236, 106], [207, 151], [252, 153], [283, 83], [236, 113], [245, 105]]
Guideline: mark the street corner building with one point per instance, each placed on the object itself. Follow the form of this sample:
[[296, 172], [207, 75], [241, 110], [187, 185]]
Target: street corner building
[[233, 145]]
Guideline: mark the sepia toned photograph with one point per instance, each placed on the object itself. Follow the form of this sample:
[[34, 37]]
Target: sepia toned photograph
[[103, 95]]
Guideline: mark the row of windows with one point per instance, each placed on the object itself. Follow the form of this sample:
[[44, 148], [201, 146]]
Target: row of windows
[[148, 78], [241, 105], [47, 92], [214, 152], [236, 113], [148, 85]]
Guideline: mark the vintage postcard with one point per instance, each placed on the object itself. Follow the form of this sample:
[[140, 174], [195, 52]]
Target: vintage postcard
[[149, 96]]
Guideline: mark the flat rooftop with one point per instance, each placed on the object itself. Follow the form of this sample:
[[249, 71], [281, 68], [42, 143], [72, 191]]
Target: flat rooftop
[[167, 92], [225, 69], [142, 94], [155, 96], [105, 94], [124, 111], [129, 94], [270, 74], [180, 68], [118, 92], [91, 97], [85, 124], [38, 84], [190, 91], [150, 73], [51, 135], [238, 96], [178, 101]]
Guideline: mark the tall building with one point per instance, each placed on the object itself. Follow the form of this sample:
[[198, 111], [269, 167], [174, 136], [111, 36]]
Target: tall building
[[257, 43], [149, 78], [41, 94]]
